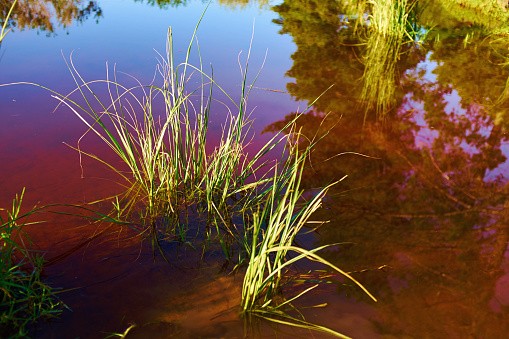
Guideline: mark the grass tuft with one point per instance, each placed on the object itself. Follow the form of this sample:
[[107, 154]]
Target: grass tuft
[[24, 298], [159, 132]]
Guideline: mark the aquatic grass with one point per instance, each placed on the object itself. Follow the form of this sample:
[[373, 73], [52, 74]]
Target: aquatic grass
[[273, 232], [166, 153], [121, 335], [162, 153], [24, 298], [269, 239], [389, 17], [280, 317], [161, 137]]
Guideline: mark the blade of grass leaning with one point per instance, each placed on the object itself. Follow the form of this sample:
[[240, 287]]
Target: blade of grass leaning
[[4, 32], [295, 322], [269, 248]]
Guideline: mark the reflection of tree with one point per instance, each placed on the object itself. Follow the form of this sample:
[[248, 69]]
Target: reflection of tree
[[45, 15], [449, 16], [323, 33], [474, 72], [242, 3], [226, 3], [165, 3], [424, 206]]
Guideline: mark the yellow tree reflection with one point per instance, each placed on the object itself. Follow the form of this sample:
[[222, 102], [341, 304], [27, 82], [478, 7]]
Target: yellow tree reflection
[[45, 15], [431, 201]]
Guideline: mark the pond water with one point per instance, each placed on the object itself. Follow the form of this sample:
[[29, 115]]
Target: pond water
[[421, 218]]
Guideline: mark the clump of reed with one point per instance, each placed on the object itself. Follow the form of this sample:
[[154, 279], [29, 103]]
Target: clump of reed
[[24, 297], [275, 226], [162, 139], [166, 151], [390, 17]]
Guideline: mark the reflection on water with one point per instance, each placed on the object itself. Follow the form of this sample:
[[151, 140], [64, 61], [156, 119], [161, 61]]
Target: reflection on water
[[423, 219], [431, 202], [46, 16]]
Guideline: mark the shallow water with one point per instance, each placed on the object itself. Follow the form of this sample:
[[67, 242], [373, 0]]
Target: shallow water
[[420, 219]]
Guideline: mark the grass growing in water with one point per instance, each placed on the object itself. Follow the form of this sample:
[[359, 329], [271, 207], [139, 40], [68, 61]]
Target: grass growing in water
[[273, 233], [24, 298], [162, 139], [166, 153]]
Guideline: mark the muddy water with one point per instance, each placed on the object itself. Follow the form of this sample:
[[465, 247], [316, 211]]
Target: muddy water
[[421, 218]]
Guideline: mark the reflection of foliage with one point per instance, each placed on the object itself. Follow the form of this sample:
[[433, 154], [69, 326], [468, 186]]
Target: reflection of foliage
[[242, 3], [326, 45], [423, 205], [476, 71], [165, 3], [45, 15], [451, 15], [323, 46], [227, 3], [4, 31], [91, 9], [425, 211]]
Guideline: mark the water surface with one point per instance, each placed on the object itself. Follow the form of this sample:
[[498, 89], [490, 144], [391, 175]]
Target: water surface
[[421, 216]]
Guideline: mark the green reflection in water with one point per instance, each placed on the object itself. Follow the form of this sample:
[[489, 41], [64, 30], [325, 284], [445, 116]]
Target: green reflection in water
[[234, 4], [431, 203], [388, 30], [46, 16]]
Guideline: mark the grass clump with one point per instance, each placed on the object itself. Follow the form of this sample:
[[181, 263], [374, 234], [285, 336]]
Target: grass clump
[[275, 226], [165, 149], [24, 297], [162, 139], [390, 17]]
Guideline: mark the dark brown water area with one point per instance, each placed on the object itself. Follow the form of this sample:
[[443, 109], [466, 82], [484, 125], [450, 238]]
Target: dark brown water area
[[421, 219]]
